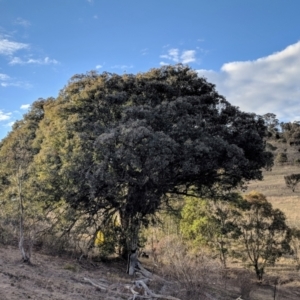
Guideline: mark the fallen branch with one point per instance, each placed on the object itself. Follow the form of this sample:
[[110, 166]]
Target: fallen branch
[[143, 290], [141, 283], [143, 271], [97, 285]]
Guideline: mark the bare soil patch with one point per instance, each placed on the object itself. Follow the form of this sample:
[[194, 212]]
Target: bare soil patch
[[54, 277]]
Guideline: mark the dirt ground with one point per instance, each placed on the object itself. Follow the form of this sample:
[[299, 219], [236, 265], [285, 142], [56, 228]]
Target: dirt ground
[[65, 278], [54, 277]]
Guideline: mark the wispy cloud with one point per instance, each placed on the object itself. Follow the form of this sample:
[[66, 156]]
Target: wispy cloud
[[99, 67], [4, 116], [122, 67], [144, 51], [268, 84], [22, 22], [45, 61], [24, 106], [4, 77], [175, 56], [19, 84], [7, 81], [9, 48]]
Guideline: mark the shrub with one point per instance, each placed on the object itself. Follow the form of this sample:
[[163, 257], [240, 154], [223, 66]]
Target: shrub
[[195, 273], [281, 158], [271, 147]]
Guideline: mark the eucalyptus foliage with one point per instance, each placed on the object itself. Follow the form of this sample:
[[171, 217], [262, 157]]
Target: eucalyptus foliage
[[122, 144]]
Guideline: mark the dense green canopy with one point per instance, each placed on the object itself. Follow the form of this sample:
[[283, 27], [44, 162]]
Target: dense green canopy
[[125, 142]]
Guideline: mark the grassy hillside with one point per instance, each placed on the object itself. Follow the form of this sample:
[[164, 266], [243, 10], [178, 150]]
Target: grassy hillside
[[273, 184]]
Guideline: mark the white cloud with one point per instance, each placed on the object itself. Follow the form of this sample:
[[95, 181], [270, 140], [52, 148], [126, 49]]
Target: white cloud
[[25, 106], [162, 63], [188, 56], [10, 124], [19, 84], [4, 80], [95, 17], [268, 84], [45, 61], [9, 48], [175, 56], [16, 60], [22, 22], [99, 67], [4, 77], [4, 116]]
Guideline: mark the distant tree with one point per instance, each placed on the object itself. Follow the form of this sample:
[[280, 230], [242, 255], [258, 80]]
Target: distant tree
[[265, 234], [292, 180], [295, 246], [281, 158], [122, 144], [272, 124], [290, 132]]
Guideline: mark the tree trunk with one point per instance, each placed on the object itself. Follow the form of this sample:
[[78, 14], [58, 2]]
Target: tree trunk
[[25, 254], [133, 262], [129, 242], [133, 237], [259, 271]]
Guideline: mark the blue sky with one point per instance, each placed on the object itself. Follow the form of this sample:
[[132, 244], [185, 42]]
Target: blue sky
[[249, 48]]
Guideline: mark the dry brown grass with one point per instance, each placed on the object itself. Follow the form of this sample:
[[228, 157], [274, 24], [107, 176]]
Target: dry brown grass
[[273, 186]]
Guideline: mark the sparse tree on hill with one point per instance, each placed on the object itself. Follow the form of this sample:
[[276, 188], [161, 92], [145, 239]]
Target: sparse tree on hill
[[265, 234], [272, 125], [291, 181]]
